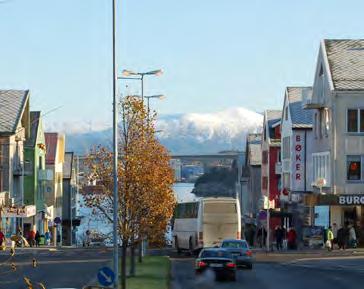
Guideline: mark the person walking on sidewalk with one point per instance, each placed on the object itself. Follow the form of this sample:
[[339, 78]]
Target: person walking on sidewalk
[[330, 239], [352, 237], [32, 238], [2, 240], [279, 238], [37, 239], [341, 239], [291, 239]]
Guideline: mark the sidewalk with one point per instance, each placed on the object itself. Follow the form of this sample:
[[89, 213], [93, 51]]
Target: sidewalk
[[284, 256]]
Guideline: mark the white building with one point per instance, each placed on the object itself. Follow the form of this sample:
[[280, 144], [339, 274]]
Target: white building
[[338, 127], [296, 150]]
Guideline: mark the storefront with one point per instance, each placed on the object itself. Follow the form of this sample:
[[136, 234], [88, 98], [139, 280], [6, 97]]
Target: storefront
[[343, 209]]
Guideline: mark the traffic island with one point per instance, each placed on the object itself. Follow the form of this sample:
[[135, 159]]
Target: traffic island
[[153, 273]]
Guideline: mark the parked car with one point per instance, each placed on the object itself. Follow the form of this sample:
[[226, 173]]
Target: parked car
[[240, 251], [218, 260]]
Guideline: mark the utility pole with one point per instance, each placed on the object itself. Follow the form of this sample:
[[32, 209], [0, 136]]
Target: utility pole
[[115, 150]]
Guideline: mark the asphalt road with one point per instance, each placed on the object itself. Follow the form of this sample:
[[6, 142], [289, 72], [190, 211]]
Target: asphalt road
[[70, 268], [333, 273]]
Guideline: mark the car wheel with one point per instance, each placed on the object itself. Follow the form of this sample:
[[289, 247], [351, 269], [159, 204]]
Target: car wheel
[[233, 277]]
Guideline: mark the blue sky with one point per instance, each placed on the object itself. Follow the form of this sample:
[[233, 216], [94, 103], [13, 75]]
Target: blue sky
[[215, 54]]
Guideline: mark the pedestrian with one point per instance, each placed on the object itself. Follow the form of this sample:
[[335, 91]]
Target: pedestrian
[[291, 239], [334, 231], [20, 242], [341, 239], [346, 234], [31, 238], [352, 237], [279, 238], [47, 238], [37, 239], [2, 240], [330, 239]]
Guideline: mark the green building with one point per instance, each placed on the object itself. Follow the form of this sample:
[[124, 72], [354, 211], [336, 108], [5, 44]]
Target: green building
[[35, 174]]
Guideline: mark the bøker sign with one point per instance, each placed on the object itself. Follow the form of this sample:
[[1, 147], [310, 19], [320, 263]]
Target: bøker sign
[[351, 200]]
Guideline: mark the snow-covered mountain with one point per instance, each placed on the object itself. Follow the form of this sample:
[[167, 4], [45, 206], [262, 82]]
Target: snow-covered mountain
[[187, 133]]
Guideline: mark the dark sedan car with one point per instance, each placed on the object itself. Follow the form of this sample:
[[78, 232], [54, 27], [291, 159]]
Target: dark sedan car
[[219, 260], [240, 251]]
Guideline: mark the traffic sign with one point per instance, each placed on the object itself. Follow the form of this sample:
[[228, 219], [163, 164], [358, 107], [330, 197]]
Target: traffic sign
[[106, 276]]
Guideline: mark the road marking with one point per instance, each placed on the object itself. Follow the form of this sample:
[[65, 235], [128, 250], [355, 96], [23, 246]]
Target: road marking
[[65, 261]]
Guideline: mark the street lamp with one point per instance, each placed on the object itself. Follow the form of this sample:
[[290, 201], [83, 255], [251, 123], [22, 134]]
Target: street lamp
[[129, 74], [158, 96]]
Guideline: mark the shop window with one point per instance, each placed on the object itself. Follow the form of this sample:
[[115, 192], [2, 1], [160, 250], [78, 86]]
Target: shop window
[[354, 168]]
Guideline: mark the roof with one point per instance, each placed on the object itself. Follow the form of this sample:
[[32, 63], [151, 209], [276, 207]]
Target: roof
[[67, 165], [273, 116], [346, 63], [34, 124], [51, 139], [301, 118], [12, 105], [254, 149]]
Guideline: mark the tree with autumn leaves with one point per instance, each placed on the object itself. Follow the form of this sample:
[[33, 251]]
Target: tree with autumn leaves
[[146, 199]]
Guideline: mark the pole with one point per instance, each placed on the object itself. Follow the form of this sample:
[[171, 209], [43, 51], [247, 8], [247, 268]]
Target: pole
[[142, 80], [268, 228], [115, 149]]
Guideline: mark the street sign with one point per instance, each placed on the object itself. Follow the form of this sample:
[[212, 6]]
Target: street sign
[[105, 276]]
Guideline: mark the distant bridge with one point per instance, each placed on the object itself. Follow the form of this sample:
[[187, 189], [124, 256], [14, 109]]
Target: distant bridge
[[204, 157]]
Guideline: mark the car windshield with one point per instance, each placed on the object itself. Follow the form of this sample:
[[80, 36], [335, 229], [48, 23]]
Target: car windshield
[[234, 244], [215, 253]]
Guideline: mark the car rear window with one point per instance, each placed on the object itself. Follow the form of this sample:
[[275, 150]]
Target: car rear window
[[215, 253], [234, 244]]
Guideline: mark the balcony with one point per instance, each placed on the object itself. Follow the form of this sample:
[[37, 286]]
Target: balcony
[[278, 168], [313, 104], [45, 175]]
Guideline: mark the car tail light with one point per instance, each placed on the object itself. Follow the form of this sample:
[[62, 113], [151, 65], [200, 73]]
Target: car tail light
[[231, 265], [201, 264], [249, 253], [238, 235]]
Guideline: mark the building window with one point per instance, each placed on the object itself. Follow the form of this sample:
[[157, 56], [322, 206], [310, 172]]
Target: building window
[[354, 168], [321, 167], [286, 148], [355, 120], [352, 120]]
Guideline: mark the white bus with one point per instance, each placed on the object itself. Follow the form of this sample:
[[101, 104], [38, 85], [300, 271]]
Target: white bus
[[206, 223]]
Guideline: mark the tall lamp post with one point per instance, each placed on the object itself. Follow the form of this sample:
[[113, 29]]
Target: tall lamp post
[[115, 151]]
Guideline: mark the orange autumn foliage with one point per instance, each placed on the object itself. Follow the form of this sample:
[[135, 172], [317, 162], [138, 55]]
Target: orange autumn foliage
[[146, 199]]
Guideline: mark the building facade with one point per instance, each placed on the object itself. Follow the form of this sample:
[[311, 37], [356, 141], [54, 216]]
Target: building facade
[[271, 168], [55, 146], [337, 103], [14, 130], [296, 139]]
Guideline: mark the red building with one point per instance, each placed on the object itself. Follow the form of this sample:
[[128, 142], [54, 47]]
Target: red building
[[271, 169], [271, 150]]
